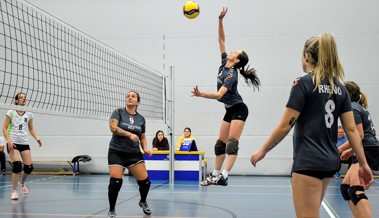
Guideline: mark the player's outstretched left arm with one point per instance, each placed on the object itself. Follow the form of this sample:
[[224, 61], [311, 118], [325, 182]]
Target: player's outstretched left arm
[[218, 95]]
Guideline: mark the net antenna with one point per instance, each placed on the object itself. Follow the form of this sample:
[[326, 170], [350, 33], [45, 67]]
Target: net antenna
[[66, 72]]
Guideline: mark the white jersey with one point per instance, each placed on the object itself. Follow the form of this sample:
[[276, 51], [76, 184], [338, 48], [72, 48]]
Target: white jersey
[[2, 141], [18, 127]]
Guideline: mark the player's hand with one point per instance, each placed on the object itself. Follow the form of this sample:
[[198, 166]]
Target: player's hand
[[134, 137], [365, 176], [347, 154], [196, 91], [148, 153], [257, 156], [39, 142], [223, 13], [11, 146]]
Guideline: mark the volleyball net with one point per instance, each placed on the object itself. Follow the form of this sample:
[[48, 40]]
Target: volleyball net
[[66, 72]]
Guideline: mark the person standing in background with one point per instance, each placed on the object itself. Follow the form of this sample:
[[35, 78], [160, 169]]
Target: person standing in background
[[16, 126], [351, 187]]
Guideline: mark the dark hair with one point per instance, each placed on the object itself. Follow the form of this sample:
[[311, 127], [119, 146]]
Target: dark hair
[[356, 94], [17, 97], [156, 134], [187, 128], [138, 97], [250, 75]]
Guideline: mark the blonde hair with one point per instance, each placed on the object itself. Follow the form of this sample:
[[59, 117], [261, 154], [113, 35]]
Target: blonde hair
[[322, 52]]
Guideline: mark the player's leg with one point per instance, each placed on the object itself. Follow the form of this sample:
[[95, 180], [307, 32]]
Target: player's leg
[[115, 184], [307, 194], [14, 155], [221, 144], [235, 131], [353, 192], [28, 167], [140, 173]]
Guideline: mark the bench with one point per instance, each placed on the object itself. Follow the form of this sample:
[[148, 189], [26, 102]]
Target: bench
[[73, 163]]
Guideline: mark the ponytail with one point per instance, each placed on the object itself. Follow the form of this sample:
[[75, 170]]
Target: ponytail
[[250, 76], [355, 93]]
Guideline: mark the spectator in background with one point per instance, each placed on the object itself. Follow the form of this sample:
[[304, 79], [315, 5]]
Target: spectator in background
[[341, 136], [186, 135], [160, 142]]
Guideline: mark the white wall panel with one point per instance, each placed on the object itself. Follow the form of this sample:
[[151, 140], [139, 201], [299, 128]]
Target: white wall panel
[[272, 32]]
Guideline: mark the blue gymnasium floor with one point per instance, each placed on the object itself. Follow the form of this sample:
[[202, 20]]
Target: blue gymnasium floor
[[245, 196]]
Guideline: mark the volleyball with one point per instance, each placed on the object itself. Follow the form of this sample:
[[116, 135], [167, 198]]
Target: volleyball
[[191, 10]]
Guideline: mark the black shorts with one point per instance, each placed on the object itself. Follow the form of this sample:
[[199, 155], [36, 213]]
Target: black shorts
[[372, 156], [236, 112], [19, 147], [126, 160], [317, 174]]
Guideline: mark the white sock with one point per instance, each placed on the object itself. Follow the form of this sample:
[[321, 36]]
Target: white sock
[[216, 172], [225, 174]]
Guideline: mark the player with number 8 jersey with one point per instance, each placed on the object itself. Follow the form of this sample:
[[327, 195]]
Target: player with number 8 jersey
[[316, 102], [320, 109]]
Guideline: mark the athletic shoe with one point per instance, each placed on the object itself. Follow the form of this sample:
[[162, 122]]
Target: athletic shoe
[[220, 180], [211, 179], [112, 214], [145, 207], [14, 195], [337, 175], [24, 189]]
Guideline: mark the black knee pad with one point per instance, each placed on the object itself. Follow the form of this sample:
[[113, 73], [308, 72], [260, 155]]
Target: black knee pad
[[344, 191], [114, 185], [355, 198], [17, 167], [232, 147], [144, 183], [220, 147], [28, 169]]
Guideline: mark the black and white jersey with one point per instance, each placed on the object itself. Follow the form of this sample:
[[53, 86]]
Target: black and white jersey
[[362, 116], [228, 77], [134, 123], [315, 131], [19, 126]]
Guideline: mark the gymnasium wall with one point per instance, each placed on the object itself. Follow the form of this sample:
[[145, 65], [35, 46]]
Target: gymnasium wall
[[272, 32]]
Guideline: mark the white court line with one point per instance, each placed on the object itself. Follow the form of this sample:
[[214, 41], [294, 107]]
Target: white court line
[[328, 210]]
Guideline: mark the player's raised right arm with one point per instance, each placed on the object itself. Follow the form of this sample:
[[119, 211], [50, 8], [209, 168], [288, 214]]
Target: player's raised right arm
[[221, 34]]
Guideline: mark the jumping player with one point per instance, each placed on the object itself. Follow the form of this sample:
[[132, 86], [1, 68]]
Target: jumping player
[[236, 110]]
